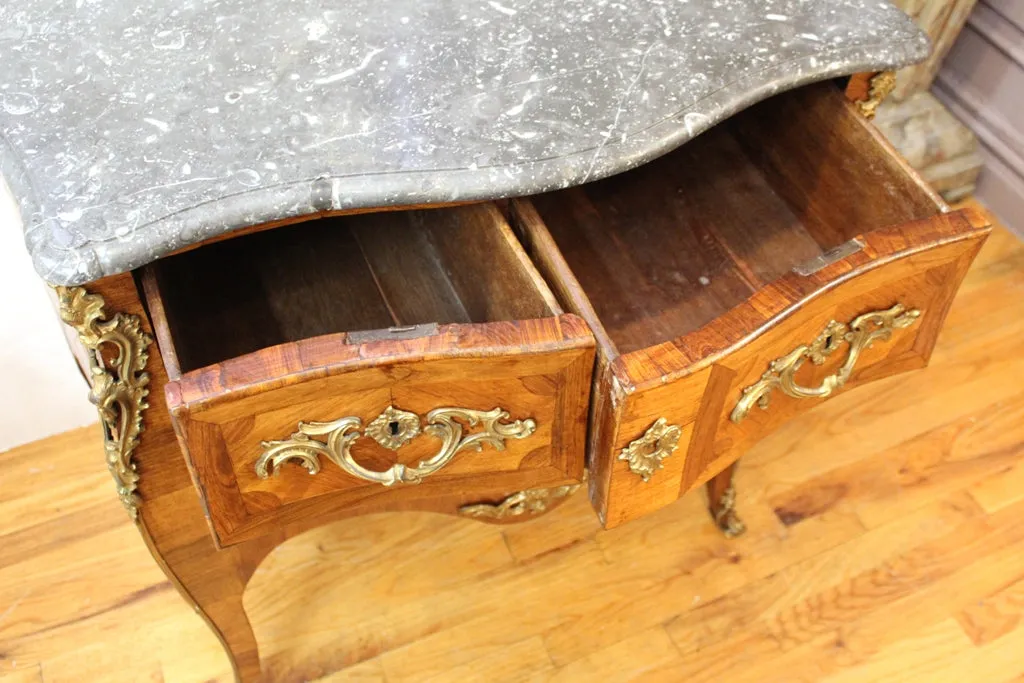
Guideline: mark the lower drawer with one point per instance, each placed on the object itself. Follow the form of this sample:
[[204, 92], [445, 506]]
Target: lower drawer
[[400, 360], [776, 260]]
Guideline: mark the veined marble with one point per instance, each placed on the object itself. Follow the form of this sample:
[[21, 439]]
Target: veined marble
[[131, 129]]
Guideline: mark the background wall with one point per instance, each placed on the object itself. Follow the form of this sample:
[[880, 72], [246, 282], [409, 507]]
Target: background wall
[[43, 391], [982, 82]]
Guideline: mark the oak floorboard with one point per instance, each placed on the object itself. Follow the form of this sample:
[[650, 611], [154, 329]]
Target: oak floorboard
[[841, 627], [648, 655], [885, 543], [941, 653], [994, 615], [1001, 488], [28, 674]]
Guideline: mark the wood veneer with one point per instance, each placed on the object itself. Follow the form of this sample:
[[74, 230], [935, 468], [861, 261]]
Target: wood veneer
[[699, 269], [279, 342]]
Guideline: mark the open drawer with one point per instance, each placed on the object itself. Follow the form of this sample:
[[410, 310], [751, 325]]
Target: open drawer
[[782, 256], [397, 360]]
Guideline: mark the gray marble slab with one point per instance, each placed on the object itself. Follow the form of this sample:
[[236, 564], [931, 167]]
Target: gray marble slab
[[131, 129]]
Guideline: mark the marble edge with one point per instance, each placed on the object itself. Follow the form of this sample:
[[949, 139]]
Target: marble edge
[[79, 265]]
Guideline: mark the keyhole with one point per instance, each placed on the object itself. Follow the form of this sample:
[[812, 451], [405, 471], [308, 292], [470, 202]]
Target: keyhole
[[393, 428], [828, 341]]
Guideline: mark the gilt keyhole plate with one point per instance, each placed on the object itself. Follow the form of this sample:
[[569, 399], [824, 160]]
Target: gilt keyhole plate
[[645, 455], [394, 428]]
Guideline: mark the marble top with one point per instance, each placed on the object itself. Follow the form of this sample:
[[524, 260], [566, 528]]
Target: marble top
[[130, 129]]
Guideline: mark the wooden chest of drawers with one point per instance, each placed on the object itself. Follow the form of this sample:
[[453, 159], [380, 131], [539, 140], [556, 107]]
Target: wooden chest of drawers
[[367, 354], [483, 359], [783, 256]]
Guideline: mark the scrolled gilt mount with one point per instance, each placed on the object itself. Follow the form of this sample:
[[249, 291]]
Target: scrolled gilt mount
[[393, 428], [860, 335], [645, 455], [118, 381], [522, 504]]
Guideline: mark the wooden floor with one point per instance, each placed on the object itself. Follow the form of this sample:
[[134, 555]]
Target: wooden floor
[[885, 543]]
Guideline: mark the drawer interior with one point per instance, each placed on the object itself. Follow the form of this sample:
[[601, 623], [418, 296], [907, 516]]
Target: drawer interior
[[341, 274], [668, 247]]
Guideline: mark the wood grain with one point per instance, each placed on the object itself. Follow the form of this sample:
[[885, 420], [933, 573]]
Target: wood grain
[[833, 168], [539, 370], [546, 361], [692, 272], [341, 274], [457, 265], [675, 244], [900, 559], [466, 255]]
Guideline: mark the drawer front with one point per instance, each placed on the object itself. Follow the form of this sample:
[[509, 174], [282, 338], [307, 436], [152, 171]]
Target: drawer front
[[871, 315], [470, 413]]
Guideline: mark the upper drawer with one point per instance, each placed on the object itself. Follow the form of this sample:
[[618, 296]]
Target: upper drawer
[[373, 352], [740, 280]]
